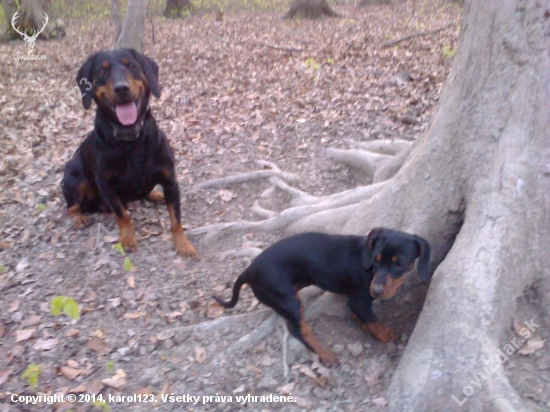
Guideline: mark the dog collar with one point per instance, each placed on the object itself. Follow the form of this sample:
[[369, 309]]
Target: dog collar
[[128, 133]]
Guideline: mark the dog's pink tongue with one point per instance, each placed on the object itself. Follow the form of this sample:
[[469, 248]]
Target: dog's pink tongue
[[126, 113]]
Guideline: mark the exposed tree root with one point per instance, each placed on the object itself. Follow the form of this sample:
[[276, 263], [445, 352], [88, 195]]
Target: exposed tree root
[[210, 326], [303, 204], [363, 161], [293, 214], [247, 177], [390, 148], [247, 341]]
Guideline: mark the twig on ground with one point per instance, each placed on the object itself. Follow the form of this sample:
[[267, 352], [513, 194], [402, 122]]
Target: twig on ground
[[412, 36]]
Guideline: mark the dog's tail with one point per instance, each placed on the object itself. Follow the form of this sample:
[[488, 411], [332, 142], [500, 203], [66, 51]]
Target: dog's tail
[[241, 280]]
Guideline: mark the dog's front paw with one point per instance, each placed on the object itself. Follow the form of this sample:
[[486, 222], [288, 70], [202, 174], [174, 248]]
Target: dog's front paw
[[81, 221], [128, 241], [381, 333], [183, 245], [187, 251], [328, 359]]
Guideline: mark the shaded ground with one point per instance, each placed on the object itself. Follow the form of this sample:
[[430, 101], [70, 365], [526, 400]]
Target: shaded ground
[[249, 88]]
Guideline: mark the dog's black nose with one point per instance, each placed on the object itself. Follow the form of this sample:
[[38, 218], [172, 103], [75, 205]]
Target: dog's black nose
[[377, 290], [121, 87]]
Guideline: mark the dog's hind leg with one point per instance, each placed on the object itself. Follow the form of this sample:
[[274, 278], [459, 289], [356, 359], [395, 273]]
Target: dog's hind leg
[[299, 328], [76, 190]]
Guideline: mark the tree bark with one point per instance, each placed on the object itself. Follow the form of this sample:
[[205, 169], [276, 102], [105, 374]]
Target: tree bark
[[477, 187], [177, 8], [133, 29], [311, 9], [30, 18], [10, 7], [115, 11]]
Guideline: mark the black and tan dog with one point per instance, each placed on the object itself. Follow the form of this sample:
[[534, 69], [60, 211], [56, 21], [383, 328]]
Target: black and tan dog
[[363, 268], [126, 155]]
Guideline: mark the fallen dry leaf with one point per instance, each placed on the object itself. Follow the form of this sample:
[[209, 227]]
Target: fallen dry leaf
[[521, 330], [532, 346], [175, 314], [215, 310], [100, 333], [302, 402], [254, 369], [306, 371], [31, 321], [117, 381], [14, 306], [97, 345], [72, 332], [73, 363], [45, 344], [286, 389], [4, 375], [70, 373], [133, 315], [226, 195], [380, 401], [94, 386], [253, 304], [200, 354], [131, 280], [21, 335], [179, 265], [165, 335], [91, 296], [77, 389], [143, 391], [2, 329]]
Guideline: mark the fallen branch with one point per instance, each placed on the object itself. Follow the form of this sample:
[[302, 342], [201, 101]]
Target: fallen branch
[[286, 49], [412, 36]]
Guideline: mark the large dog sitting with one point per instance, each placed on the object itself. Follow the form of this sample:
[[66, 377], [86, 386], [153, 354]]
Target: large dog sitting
[[126, 155]]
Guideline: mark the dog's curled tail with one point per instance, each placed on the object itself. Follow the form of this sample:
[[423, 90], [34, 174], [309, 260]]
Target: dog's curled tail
[[241, 280]]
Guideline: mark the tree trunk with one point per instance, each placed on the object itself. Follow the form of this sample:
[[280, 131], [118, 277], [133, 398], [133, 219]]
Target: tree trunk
[[30, 18], [477, 186], [10, 7], [115, 11], [177, 8], [311, 9], [133, 29]]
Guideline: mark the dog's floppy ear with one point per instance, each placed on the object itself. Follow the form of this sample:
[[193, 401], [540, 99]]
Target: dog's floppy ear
[[84, 81], [367, 246], [151, 70], [423, 249]]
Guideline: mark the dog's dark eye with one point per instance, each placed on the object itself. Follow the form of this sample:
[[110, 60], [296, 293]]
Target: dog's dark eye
[[131, 66], [103, 71]]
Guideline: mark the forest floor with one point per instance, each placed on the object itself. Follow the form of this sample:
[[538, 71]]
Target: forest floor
[[251, 87]]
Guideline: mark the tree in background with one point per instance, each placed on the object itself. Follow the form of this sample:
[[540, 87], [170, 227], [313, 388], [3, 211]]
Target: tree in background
[[311, 9], [31, 18], [133, 29]]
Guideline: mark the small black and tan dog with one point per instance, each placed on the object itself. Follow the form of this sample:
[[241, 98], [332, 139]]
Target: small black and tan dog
[[361, 267], [126, 155]]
